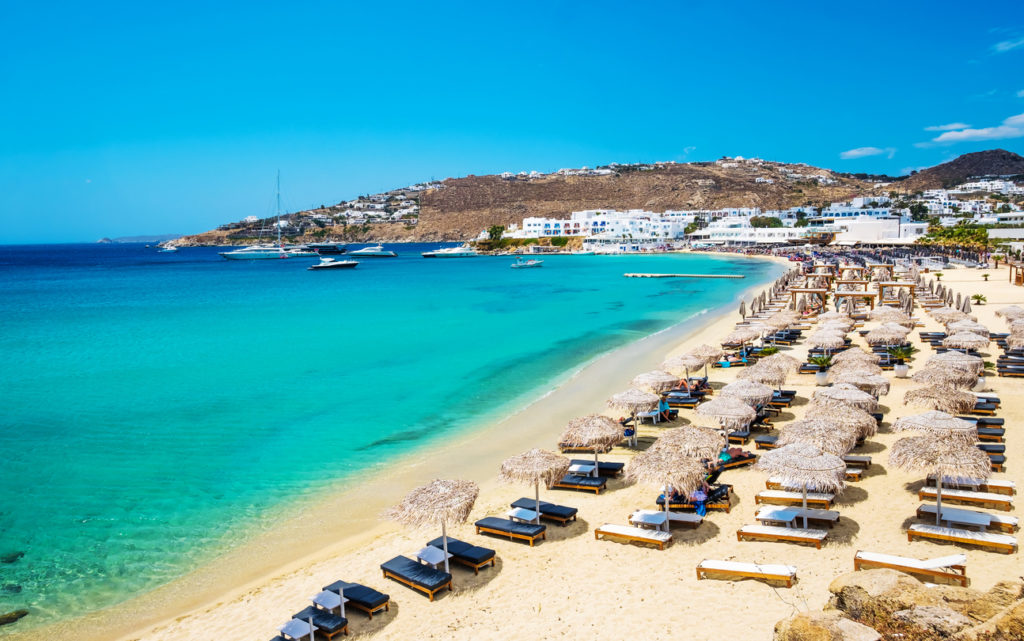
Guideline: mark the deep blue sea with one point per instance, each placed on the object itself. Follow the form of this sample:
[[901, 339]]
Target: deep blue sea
[[156, 407]]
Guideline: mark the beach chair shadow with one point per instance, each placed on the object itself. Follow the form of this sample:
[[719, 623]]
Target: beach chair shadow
[[845, 531], [914, 486], [874, 470], [464, 581], [800, 401], [870, 447], [361, 625], [851, 494], [576, 528], [695, 536]]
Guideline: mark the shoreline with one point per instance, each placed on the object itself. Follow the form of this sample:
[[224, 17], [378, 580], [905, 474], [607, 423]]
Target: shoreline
[[317, 529]]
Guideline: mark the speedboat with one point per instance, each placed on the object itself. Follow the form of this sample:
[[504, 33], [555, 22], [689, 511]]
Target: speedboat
[[167, 249], [532, 262], [333, 263], [584, 252], [463, 251], [256, 252], [374, 251]]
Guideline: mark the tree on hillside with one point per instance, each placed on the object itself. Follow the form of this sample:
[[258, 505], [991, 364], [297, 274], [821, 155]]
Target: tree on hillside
[[918, 211], [494, 232], [765, 221]]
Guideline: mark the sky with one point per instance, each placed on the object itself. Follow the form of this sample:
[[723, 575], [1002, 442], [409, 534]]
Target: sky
[[121, 119]]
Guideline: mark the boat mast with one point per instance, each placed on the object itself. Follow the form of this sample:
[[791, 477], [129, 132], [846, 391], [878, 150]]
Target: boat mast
[[278, 208]]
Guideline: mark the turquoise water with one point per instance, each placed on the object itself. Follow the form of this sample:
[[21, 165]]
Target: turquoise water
[[158, 407]]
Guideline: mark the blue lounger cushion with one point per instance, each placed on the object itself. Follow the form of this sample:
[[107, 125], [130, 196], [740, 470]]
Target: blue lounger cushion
[[583, 481], [359, 594], [327, 622], [462, 550], [559, 511], [413, 572], [510, 526]]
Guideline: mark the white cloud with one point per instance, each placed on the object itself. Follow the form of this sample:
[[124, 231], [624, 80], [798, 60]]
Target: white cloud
[[864, 152], [951, 126], [1008, 45], [1012, 127]]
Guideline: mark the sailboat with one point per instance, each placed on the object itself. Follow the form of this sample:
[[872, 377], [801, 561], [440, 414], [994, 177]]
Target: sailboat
[[265, 251]]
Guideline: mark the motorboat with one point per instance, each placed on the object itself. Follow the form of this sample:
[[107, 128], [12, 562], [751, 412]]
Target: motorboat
[[463, 251], [522, 263], [333, 263], [374, 251], [582, 253], [168, 249], [301, 251], [327, 249], [256, 252]]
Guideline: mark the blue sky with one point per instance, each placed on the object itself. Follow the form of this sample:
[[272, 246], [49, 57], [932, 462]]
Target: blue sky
[[137, 118]]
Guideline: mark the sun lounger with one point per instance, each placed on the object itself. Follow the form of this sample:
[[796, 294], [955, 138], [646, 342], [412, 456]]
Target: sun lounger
[[639, 535], [986, 499], [558, 513], [739, 437], [361, 597], [957, 516], [747, 458], [788, 534], [416, 575], [683, 518], [786, 573], [765, 441], [585, 483], [469, 555], [604, 468], [782, 497], [995, 486], [719, 498], [1000, 542], [948, 567], [507, 527], [775, 514], [991, 434], [328, 624], [857, 460]]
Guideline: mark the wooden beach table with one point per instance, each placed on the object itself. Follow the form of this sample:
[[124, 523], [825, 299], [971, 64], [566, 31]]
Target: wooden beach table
[[768, 572]]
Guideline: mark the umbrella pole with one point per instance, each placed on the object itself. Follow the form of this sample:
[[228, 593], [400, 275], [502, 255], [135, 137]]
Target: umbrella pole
[[938, 499], [668, 496], [536, 494], [444, 544], [805, 506]]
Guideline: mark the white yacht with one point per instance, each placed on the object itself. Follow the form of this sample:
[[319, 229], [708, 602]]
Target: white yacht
[[333, 263], [374, 251], [463, 251], [256, 252], [301, 251], [167, 249]]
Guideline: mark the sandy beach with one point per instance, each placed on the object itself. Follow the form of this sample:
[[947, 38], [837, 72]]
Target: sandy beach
[[570, 585]]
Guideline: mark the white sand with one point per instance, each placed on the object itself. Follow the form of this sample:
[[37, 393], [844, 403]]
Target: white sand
[[570, 585]]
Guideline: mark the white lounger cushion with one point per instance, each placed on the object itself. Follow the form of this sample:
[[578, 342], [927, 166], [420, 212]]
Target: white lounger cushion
[[770, 530], [635, 532], [767, 511], [996, 518], [987, 537], [950, 481], [967, 494], [753, 568], [783, 494], [927, 564]]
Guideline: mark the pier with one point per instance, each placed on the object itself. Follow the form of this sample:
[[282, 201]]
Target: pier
[[684, 275]]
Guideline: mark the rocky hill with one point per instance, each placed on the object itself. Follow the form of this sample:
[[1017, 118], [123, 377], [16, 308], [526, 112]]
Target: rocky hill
[[993, 162], [459, 208]]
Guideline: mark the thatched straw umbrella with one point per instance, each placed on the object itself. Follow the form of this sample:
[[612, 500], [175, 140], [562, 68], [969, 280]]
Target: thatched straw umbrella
[[666, 468], [730, 412], [763, 372], [1011, 312], [967, 325], [438, 502], [948, 315], [743, 309], [836, 325], [828, 436], [692, 440], [804, 466], [938, 424], [965, 340], [952, 376], [656, 381], [874, 384], [885, 336], [633, 401], [781, 361], [943, 457], [707, 352], [534, 466], [959, 360], [854, 365], [826, 340], [840, 316], [896, 327], [857, 419], [846, 394], [742, 335], [886, 313], [940, 397], [592, 432], [750, 392], [856, 354], [683, 365]]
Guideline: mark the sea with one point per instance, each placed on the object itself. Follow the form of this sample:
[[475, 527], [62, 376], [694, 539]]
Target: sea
[[157, 409]]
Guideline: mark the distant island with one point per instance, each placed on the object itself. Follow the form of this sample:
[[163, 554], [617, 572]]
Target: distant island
[[157, 238], [457, 209]]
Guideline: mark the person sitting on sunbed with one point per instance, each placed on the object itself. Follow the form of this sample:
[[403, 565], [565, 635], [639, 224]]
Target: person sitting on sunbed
[[665, 412]]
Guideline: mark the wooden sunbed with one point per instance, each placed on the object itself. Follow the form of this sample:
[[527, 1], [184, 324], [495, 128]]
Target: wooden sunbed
[[999, 522], [984, 499], [785, 573], [506, 527], [995, 486], [634, 534], [857, 460], [820, 517], [1000, 542], [783, 497], [789, 534], [948, 567], [685, 518], [581, 483]]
